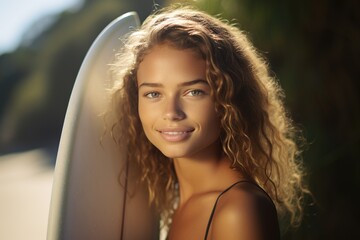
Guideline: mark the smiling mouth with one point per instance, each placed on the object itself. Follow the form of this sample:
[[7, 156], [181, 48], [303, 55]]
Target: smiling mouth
[[175, 136], [174, 133]]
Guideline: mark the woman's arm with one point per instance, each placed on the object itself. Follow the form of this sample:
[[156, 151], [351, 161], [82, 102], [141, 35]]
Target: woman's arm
[[245, 213]]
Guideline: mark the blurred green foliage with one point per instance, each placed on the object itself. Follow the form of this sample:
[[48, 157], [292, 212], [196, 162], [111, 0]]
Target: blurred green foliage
[[312, 47], [36, 79]]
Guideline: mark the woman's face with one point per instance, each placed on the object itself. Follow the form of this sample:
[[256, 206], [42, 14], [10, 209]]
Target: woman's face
[[176, 108]]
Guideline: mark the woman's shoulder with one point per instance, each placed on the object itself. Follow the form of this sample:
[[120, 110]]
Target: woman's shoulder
[[245, 212]]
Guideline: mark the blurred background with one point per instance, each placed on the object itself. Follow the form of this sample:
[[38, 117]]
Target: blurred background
[[313, 48]]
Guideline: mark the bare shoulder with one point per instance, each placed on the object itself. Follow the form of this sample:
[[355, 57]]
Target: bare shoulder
[[245, 212]]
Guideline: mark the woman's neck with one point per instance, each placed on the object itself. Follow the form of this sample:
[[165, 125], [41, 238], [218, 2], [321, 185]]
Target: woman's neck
[[205, 172]]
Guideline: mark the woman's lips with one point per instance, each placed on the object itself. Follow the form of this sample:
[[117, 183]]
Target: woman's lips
[[175, 135]]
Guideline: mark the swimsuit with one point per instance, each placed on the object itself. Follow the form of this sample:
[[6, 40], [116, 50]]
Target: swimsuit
[[217, 200]]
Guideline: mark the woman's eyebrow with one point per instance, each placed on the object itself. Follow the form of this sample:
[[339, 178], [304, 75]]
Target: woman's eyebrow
[[145, 84], [193, 82], [184, 84]]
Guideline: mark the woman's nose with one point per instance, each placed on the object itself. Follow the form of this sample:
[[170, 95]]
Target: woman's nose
[[173, 110]]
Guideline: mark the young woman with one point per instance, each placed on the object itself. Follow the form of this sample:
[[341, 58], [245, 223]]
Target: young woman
[[204, 120]]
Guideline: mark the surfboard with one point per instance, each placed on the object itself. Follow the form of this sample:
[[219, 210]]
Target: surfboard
[[88, 199]]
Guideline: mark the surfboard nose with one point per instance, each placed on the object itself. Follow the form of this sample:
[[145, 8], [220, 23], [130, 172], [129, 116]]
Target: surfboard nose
[[87, 197]]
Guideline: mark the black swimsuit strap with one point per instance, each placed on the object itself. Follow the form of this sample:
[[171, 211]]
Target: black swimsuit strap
[[217, 200]]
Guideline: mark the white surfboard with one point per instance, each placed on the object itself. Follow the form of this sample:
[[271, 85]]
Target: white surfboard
[[88, 202]]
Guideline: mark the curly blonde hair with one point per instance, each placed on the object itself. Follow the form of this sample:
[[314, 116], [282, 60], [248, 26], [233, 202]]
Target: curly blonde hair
[[256, 133]]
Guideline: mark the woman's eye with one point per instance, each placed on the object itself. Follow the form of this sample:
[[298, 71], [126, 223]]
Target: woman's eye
[[195, 92], [152, 95]]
